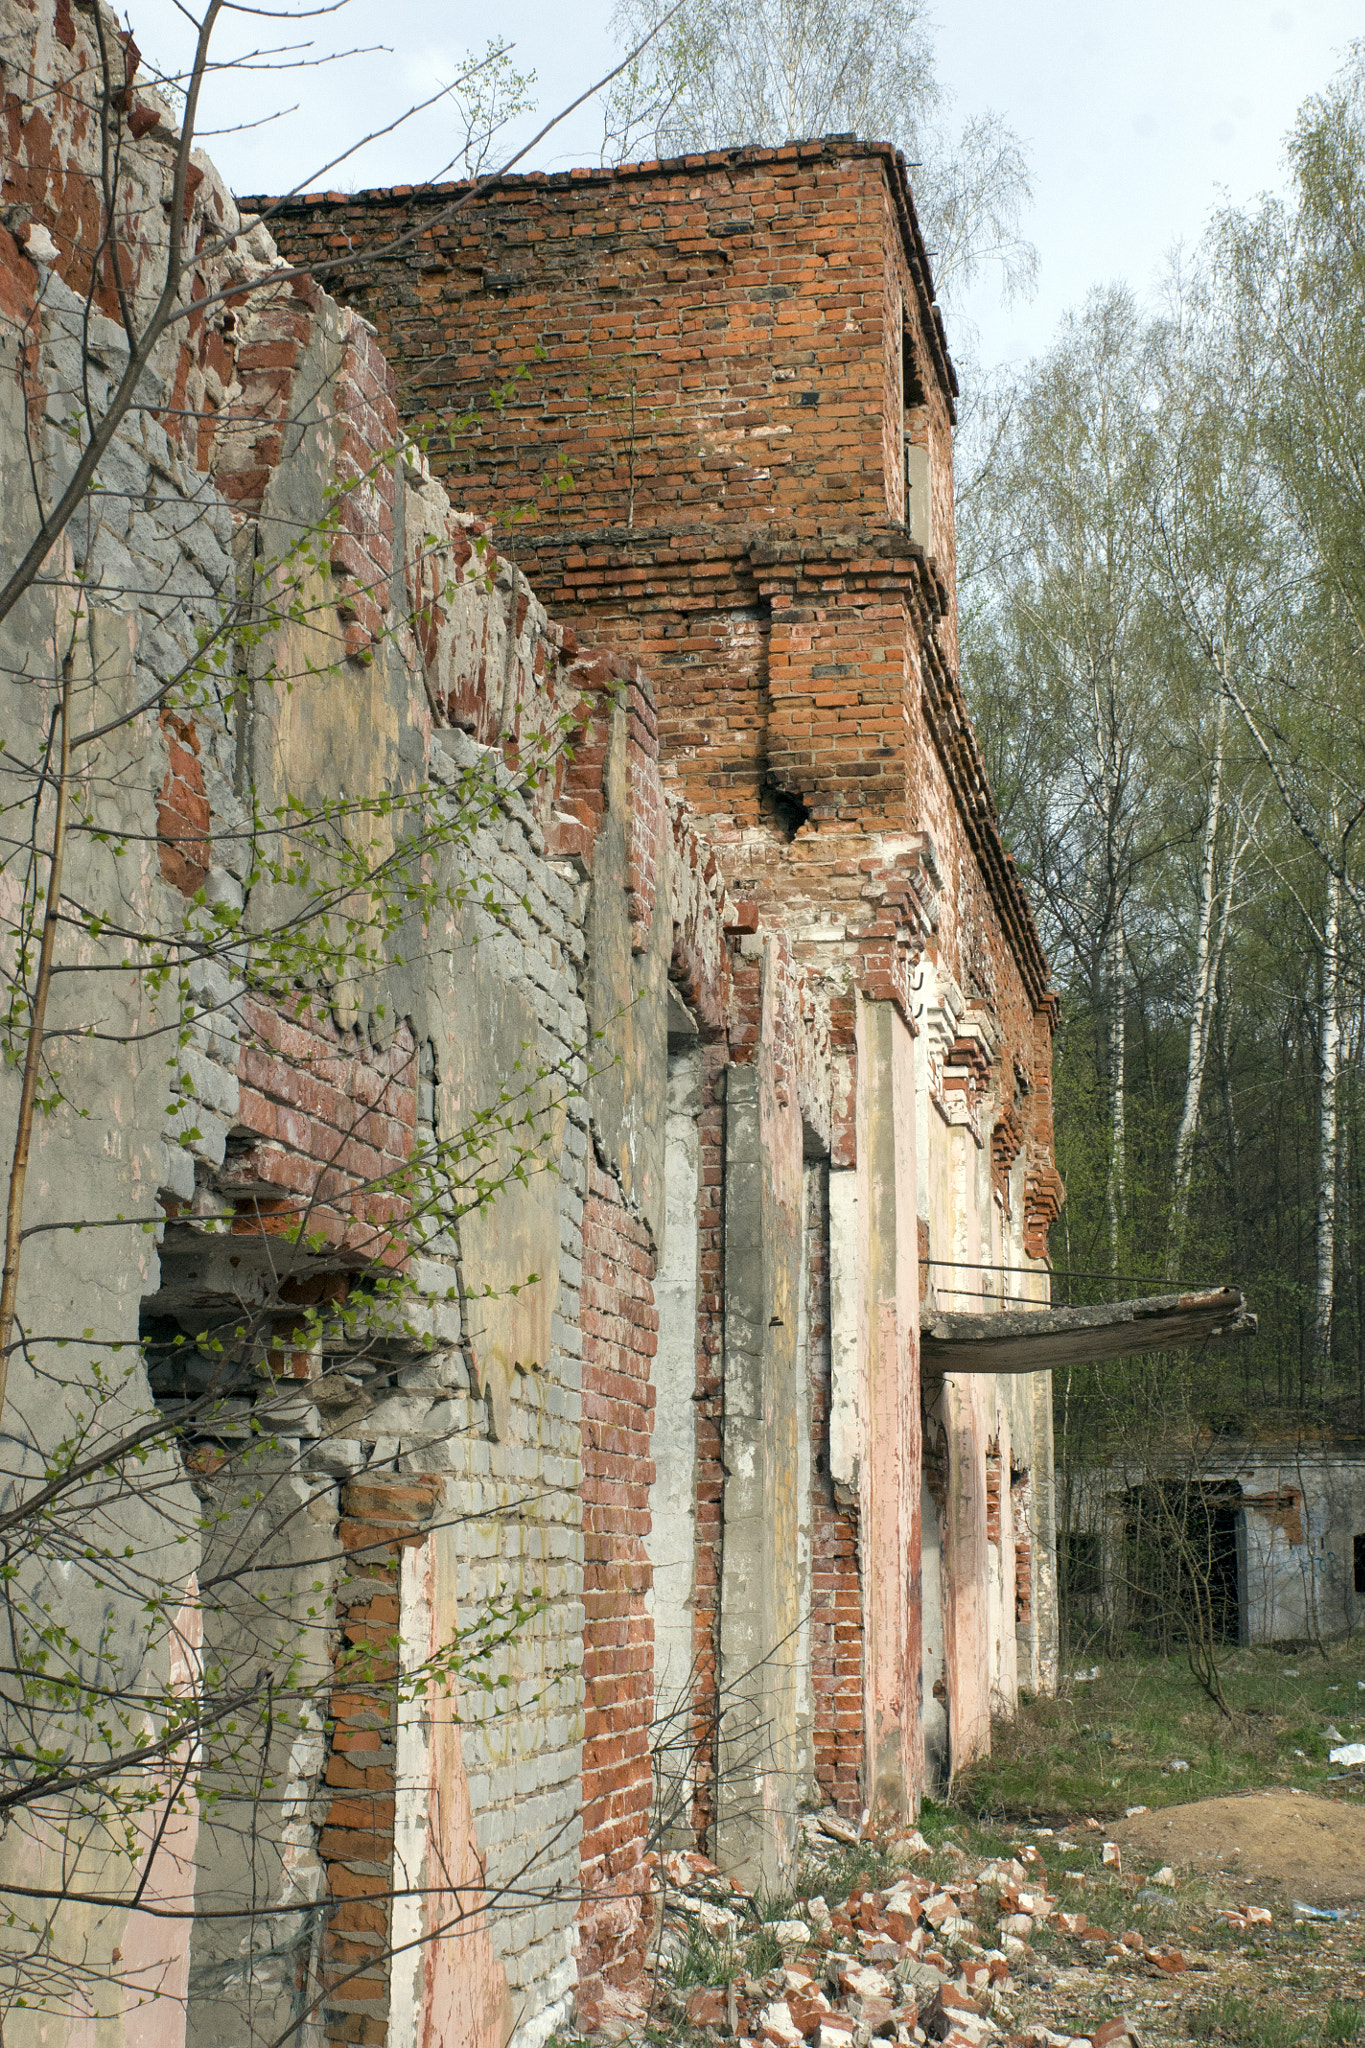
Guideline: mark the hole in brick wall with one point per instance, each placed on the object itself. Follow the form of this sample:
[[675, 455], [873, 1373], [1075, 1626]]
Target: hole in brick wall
[[914, 395], [226, 1332], [782, 810]]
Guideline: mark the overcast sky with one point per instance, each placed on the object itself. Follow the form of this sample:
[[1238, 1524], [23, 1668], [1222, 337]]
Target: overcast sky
[[1137, 119]]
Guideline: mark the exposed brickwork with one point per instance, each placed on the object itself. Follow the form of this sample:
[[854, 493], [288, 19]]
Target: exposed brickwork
[[993, 1483], [356, 1840], [361, 548], [724, 359], [241, 444], [182, 811], [599, 680], [663, 298], [620, 1326], [836, 1604], [1007, 1141], [709, 1425], [1023, 1548], [331, 1119]]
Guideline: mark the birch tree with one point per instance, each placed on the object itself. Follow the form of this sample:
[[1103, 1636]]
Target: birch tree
[[1294, 274], [719, 75], [1216, 542], [1065, 664]]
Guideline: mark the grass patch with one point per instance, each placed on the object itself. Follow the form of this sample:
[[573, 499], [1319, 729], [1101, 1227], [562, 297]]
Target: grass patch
[[770, 1906], [762, 1952], [835, 1875], [1239, 2019], [1106, 1744], [705, 1961]]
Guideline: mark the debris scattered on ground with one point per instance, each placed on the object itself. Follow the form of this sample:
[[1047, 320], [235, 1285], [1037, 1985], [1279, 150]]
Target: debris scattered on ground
[[905, 1962]]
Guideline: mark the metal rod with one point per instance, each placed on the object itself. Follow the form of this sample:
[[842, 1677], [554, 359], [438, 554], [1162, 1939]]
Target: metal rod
[[1074, 1273]]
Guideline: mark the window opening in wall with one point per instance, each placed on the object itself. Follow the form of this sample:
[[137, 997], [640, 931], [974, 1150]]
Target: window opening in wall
[[1358, 1545], [222, 1372]]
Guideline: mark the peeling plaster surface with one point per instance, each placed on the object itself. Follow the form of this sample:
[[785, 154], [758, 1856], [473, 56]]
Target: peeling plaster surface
[[751, 959]]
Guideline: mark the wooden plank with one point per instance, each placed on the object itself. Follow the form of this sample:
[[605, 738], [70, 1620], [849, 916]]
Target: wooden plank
[[1039, 1340]]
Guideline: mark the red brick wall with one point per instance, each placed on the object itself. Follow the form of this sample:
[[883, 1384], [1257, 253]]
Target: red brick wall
[[356, 1840], [710, 352], [993, 1483], [713, 347], [330, 1116], [709, 1424], [697, 341], [1023, 1548], [836, 1604], [182, 809], [620, 1324]]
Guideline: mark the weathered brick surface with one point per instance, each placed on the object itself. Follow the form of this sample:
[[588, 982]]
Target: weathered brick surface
[[356, 1837], [620, 1325], [723, 356], [836, 1605], [332, 1120], [666, 296], [182, 812]]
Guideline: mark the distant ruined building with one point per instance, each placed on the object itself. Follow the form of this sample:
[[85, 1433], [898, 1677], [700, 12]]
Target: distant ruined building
[[785, 1554]]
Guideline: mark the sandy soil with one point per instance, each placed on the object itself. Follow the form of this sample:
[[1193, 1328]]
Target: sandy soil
[[1314, 1848]]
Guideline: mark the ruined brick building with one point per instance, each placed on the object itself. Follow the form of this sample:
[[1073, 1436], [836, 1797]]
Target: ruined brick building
[[726, 404], [777, 1547]]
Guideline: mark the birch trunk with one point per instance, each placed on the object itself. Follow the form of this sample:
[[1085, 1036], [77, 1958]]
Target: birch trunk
[[1118, 990], [1201, 1006], [1327, 1122]]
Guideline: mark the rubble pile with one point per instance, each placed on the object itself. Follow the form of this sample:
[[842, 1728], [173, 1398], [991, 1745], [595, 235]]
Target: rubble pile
[[919, 1960]]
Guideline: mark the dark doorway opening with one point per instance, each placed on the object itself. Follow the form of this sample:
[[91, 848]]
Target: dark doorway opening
[[1180, 1553]]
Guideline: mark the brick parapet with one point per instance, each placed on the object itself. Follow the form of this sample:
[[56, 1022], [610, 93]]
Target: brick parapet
[[614, 247]]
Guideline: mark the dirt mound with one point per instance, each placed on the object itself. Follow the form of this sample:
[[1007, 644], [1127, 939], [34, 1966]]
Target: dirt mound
[[1314, 1848]]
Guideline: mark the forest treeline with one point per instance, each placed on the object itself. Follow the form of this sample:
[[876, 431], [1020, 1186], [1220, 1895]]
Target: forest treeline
[[1163, 586]]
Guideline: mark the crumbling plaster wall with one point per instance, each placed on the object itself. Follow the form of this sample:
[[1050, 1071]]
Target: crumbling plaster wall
[[729, 500], [458, 1464], [503, 1444]]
